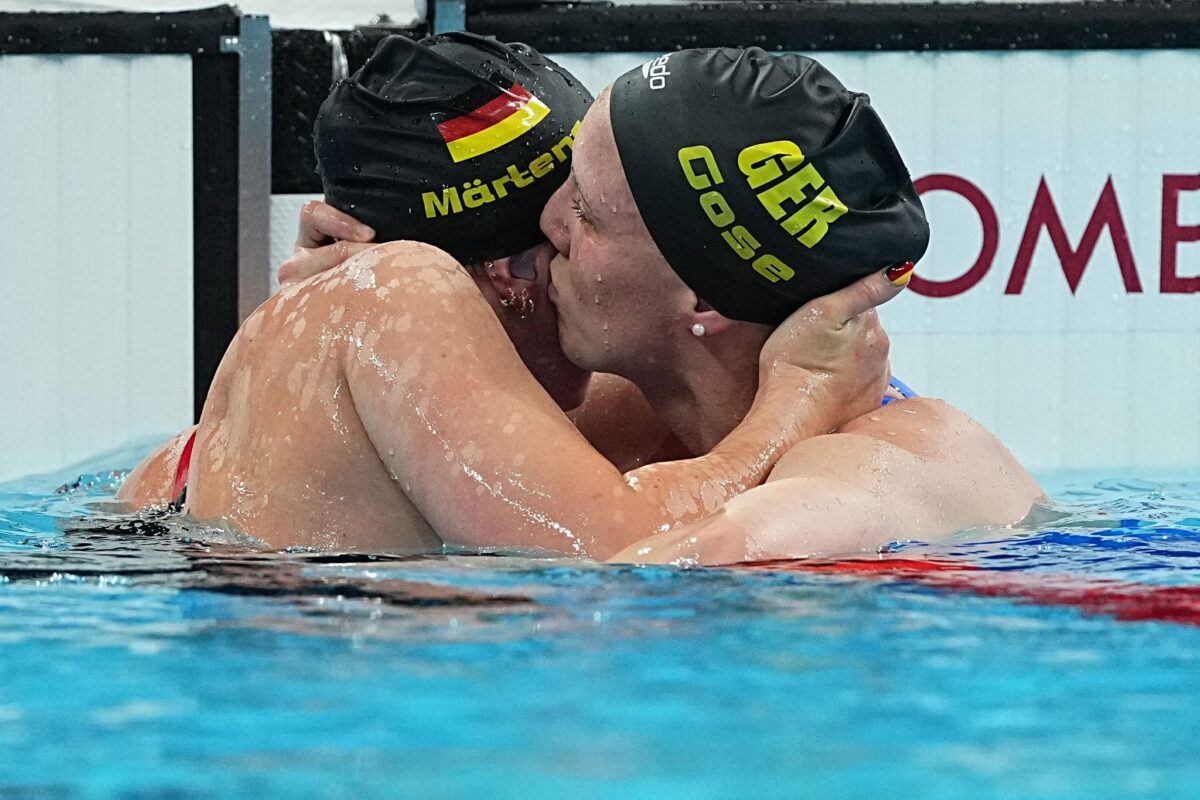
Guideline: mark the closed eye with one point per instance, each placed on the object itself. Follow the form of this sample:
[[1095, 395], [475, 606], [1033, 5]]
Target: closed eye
[[577, 208]]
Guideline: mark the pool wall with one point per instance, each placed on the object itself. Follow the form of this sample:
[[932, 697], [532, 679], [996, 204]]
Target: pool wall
[[1053, 146], [97, 235], [1058, 299], [135, 152]]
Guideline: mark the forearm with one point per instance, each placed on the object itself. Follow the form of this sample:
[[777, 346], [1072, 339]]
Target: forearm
[[786, 410]]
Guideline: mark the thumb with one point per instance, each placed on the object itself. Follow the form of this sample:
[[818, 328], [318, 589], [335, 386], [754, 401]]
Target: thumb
[[869, 292]]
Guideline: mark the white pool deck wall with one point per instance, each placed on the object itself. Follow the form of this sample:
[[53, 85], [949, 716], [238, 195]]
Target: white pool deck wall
[[96, 243], [96, 253], [1101, 376]]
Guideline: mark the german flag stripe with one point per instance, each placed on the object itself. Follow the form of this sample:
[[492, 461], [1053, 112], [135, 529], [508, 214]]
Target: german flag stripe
[[492, 125]]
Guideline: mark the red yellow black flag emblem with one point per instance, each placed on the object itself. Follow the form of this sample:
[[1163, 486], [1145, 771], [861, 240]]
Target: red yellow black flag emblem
[[493, 124]]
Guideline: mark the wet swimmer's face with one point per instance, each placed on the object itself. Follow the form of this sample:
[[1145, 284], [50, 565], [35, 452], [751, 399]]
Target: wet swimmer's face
[[618, 300]]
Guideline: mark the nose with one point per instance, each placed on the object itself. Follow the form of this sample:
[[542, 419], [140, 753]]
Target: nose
[[554, 219]]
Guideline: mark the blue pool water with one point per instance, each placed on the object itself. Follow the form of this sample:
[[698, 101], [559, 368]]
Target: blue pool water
[[156, 665]]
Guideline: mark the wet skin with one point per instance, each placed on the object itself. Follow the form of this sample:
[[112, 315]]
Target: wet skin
[[382, 406], [917, 468]]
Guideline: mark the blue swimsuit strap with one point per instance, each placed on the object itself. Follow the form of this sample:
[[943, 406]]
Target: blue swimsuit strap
[[901, 387]]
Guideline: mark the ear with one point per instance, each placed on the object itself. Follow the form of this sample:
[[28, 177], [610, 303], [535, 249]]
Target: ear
[[715, 323], [514, 272]]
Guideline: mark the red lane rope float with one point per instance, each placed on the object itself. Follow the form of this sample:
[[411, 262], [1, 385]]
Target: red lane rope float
[[1128, 602]]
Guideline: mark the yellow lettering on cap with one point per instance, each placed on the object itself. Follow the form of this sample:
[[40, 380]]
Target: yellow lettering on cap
[[448, 203], [772, 268], [790, 188], [741, 241], [816, 216], [716, 208], [541, 165], [758, 161], [698, 152]]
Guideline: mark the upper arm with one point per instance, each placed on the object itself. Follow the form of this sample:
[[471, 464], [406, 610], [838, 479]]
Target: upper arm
[[472, 438]]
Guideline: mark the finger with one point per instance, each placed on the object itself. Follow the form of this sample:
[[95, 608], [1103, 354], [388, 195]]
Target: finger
[[867, 293], [309, 261], [320, 222], [287, 273]]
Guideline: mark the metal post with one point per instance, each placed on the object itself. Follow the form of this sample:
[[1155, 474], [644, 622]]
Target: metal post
[[253, 47]]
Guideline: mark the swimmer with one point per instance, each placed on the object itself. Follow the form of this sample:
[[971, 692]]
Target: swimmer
[[412, 398], [712, 193]]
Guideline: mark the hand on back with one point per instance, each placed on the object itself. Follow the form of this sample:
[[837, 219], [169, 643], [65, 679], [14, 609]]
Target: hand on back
[[838, 340], [326, 239]]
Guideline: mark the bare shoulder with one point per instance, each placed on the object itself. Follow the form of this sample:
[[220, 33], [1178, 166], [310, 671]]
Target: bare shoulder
[[376, 273], [404, 259], [925, 456], [925, 426]]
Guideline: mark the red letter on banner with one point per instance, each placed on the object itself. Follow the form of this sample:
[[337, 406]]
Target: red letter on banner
[[991, 236], [1107, 214], [1173, 234]]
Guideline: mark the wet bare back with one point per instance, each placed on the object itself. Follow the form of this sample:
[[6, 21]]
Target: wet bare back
[[381, 401], [281, 452]]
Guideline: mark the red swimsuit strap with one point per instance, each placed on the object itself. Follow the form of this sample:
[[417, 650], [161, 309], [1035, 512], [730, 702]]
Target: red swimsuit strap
[[181, 472]]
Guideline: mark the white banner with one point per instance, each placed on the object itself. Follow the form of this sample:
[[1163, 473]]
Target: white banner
[[1063, 189]]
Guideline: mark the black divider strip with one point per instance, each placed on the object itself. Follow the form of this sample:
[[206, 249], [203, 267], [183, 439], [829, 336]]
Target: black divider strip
[[604, 27], [117, 32], [214, 214]]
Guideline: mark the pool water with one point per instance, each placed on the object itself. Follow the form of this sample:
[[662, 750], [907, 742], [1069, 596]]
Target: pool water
[[1061, 659]]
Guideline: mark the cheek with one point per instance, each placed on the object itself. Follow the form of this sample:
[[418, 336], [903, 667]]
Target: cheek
[[583, 257]]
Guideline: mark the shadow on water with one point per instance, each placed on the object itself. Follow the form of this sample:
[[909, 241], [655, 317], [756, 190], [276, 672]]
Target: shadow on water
[[158, 551]]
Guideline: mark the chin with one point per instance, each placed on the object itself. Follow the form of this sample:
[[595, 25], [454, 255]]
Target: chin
[[570, 394], [579, 358]]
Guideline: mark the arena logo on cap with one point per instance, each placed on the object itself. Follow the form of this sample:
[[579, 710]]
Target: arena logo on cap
[[656, 72], [493, 124]]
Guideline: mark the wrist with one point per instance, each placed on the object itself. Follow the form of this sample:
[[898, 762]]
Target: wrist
[[800, 396]]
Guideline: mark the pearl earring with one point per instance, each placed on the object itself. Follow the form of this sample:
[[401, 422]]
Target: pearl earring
[[697, 329]]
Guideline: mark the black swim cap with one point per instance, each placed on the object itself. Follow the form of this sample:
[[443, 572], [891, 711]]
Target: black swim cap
[[762, 179], [457, 140]]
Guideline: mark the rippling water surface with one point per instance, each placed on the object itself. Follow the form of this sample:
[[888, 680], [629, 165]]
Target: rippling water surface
[[1061, 659]]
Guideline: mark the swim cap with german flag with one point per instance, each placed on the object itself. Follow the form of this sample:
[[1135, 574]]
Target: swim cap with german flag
[[762, 179], [456, 140]]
